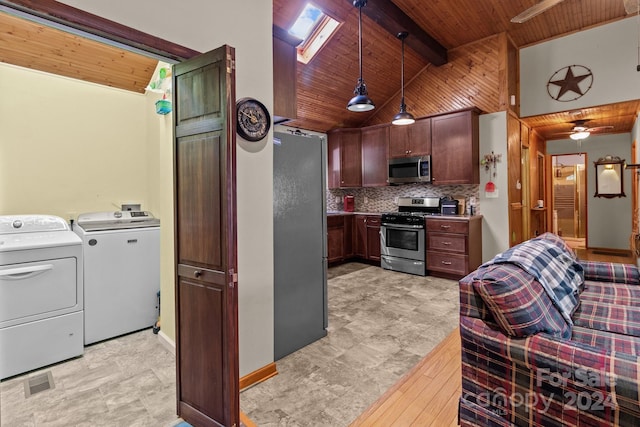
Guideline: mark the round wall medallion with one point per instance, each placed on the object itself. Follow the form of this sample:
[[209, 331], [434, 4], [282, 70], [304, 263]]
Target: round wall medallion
[[570, 83]]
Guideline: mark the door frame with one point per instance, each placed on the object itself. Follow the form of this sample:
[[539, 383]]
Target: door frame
[[95, 27]]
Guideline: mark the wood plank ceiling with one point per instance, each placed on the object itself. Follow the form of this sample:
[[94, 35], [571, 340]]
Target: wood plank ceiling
[[39, 47], [326, 84]]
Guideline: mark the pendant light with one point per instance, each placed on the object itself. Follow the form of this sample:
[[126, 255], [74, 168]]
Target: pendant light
[[403, 118], [360, 102]]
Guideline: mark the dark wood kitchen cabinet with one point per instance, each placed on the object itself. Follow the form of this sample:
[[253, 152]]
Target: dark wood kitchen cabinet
[[339, 238], [375, 151], [454, 246], [285, 61], [344, 160], [335, 238], [367, 237], [455, 157], [410, 140]]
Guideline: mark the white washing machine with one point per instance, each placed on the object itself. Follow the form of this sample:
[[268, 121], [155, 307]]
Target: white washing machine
[[41, 293], [121, 252]]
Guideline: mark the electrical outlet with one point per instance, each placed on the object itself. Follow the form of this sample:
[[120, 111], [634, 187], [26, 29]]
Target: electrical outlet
[[366, 200]]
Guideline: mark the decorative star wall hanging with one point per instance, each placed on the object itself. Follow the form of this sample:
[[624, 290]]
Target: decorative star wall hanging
[[570, 83]]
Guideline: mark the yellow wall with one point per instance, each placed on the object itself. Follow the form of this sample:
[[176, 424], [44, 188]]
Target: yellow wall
[[68, 147]]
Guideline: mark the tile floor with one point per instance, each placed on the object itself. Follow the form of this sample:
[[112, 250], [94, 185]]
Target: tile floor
[[381, 324], [127, 381]]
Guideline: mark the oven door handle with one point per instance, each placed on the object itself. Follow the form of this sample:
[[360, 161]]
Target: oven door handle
[[403, 226], [21, 273]]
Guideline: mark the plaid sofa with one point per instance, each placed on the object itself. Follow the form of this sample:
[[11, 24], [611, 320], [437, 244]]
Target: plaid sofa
[[525, 364]]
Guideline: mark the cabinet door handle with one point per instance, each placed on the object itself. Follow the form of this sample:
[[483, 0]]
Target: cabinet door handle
[[446, 262], [446, 243], [445, 227], [197, 273]]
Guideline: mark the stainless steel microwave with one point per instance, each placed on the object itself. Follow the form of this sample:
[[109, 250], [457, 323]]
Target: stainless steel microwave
[[404, 170]]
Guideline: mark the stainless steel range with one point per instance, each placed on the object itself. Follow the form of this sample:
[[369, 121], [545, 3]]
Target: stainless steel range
[[402, 235]]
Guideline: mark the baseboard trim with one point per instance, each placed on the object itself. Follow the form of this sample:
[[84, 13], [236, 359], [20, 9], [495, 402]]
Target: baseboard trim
[[258, 375], [246, 421], [167, 342]]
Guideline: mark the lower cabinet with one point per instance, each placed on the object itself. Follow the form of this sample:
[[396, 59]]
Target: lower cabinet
[[367, 237], [335, 238], [454, 246], [373, 238], [353, 236]]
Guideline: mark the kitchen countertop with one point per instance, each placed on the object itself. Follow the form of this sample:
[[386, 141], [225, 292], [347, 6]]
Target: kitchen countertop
[[352, 213], [330, 213]]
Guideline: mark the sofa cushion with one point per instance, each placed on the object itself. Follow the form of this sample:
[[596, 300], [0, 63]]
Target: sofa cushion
[[518, 302], [611, 317], [611, 272]]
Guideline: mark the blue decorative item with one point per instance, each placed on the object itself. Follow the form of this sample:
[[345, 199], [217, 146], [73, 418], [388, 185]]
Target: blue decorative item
[[163, 106]]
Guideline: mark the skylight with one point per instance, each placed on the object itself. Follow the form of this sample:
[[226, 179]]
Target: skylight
[[314, 27]]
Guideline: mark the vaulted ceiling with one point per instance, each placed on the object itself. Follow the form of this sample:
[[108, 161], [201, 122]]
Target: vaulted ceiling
[[326, 84]]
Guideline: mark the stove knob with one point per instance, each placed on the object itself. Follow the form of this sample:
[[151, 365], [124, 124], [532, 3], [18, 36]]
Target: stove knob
[[17, 223], [117, 214]]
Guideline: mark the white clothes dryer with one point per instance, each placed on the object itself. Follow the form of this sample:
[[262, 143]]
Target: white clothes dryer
[[41, 293]]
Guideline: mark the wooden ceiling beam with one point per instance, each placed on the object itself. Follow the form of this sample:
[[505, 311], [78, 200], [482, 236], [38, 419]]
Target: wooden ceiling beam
[[390, 17]]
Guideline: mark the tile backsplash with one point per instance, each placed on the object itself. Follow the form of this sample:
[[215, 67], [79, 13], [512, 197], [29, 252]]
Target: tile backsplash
[[382, 199]]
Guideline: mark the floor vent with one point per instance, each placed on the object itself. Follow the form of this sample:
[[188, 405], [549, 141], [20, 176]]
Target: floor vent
[[38, 383]]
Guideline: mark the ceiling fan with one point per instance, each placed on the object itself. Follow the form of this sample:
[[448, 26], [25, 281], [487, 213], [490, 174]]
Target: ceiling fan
[[580, 131], [534, 10]]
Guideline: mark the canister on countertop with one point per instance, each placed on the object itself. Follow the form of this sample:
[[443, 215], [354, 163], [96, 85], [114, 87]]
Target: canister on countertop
[[349, 203]]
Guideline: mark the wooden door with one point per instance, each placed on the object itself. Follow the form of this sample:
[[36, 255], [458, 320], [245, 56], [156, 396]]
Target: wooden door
[[360, 244], [351, 159], [375, 147], [420, 137], [514, 167], [455, 148], [373, 238], [206, 284], [399, 141]]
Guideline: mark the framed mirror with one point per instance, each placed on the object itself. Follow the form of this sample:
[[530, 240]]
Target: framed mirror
[[609, 179]]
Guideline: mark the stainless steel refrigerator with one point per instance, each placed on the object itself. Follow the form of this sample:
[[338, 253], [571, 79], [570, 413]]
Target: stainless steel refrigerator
[[300, 241]]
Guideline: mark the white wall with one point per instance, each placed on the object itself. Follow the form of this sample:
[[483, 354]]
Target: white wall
[[608, 220], [204, 25], [495, 212], [609, 51]]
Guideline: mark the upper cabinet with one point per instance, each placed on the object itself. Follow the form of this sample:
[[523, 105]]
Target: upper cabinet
[[344, 158], [375, 154], [359, 157], [285, 61], [455, 157], [410, 140]]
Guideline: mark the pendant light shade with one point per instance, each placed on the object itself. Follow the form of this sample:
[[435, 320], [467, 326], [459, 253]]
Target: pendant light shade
[[360, 102], [403, 118]]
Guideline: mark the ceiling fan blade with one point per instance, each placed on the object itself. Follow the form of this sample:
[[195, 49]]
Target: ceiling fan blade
[[599, 128], [534, 11]]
